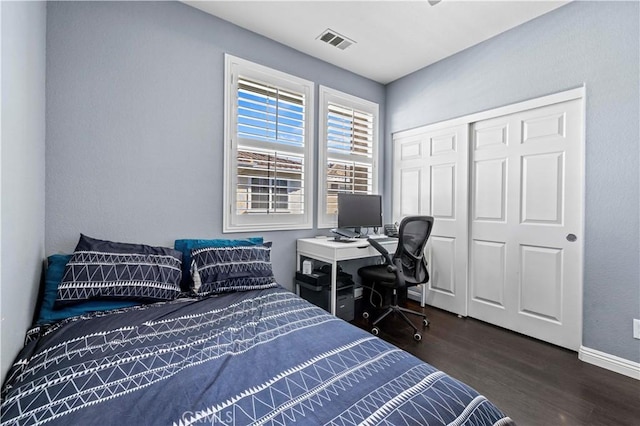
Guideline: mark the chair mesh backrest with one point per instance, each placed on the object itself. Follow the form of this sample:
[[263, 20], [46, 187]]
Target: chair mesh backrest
[[412, 238]]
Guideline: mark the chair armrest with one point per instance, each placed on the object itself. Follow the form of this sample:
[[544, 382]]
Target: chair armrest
[[392, 266], [383, 251]]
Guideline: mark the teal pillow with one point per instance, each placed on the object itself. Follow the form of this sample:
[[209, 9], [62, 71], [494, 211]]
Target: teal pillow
[[186, 245], [53, 277]]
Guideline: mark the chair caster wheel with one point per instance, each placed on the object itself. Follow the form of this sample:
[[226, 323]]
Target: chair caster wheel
[[417, 337], [375, 331], [425, 323], [365, 315]]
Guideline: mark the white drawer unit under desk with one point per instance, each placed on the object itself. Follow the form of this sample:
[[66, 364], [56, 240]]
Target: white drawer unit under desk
[[330, 251]]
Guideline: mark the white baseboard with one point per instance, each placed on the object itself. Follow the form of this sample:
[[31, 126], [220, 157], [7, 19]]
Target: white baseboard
[[610, 362]]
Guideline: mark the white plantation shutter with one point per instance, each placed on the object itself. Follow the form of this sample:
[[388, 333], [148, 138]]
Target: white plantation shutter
[[269, 183], [346, 177], [349, 131], [271, 120], [270, 114], [268, 163], [348, 150]]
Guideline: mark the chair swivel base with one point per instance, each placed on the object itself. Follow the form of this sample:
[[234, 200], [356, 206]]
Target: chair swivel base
[[400, 311]]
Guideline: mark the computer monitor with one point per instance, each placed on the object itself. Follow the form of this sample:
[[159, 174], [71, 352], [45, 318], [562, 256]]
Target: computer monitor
[[359, 211]]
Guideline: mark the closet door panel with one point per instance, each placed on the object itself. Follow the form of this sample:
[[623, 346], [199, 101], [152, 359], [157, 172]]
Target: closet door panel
[[530, 163], [443, 191], [441, 256], [410, 190], [443, 163], [489, 196], [506, 189], [488, 272]]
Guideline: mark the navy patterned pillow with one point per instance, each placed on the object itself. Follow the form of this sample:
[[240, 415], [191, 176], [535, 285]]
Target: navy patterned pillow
[[108, 270], [223, 269]]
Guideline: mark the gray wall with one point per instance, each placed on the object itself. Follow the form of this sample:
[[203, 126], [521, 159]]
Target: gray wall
[[135, 110], [135, 121], [596, 43], [23, 141]]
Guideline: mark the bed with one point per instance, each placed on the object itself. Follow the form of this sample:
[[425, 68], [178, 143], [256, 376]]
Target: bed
[[250, 356]]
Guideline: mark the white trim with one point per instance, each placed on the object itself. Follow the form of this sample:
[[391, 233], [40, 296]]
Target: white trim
[[610, 362], [235, 223], [555, 98], [327, 95]]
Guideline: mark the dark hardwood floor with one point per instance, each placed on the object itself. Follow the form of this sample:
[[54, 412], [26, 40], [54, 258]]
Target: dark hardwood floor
[[533, 382]]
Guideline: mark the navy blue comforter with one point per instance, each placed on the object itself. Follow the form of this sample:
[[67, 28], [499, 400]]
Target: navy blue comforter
[[256, 357]]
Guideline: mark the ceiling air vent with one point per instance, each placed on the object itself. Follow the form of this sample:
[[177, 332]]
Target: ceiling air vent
[[333, 38]]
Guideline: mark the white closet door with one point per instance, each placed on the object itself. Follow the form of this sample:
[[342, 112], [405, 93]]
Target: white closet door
[[526, 214], [430, 177]]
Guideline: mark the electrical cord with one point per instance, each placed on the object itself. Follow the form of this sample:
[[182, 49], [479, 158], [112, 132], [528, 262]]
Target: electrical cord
[[372, 291]]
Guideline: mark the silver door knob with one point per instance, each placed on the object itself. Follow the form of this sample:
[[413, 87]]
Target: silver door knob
[[571, 238]]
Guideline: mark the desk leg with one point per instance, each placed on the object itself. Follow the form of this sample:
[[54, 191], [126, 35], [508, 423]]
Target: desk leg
[[334, 286], [423, 299], [298, 268]]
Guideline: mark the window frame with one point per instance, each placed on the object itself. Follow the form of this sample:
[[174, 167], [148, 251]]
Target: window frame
[[328, 95], [233, 222]]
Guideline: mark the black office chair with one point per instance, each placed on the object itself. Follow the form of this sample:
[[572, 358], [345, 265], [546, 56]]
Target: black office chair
[[406, 268]]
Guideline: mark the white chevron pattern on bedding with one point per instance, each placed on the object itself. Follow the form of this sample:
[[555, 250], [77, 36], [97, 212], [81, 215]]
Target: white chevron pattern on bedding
[[256, 357]]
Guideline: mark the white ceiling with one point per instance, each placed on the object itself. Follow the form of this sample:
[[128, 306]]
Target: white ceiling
[[393, 38]]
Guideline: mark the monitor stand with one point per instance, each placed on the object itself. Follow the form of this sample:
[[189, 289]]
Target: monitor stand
[[343, 232], [339, 239]]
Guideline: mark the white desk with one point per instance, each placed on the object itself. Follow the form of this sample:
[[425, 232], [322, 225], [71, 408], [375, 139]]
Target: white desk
[[330, 251]]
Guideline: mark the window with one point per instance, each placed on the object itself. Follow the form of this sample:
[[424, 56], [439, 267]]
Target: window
[[268, 149], [348, 150]]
